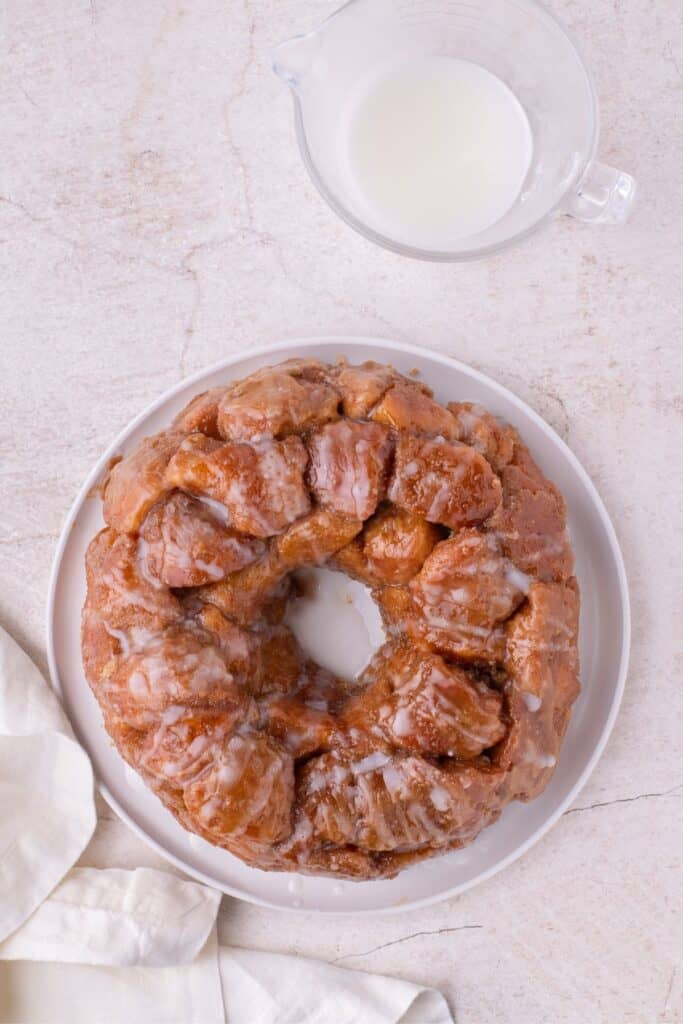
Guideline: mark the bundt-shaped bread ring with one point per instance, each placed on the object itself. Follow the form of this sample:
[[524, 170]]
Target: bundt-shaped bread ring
[[441, 510]]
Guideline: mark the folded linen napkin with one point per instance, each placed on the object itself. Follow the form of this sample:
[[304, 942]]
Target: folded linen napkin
[[105, 946], [47, 811]]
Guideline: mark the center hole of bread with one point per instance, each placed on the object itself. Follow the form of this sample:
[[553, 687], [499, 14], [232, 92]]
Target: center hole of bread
[[335, 620]]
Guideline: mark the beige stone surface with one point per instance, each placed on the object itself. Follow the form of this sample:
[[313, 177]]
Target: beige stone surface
[[155, 215]]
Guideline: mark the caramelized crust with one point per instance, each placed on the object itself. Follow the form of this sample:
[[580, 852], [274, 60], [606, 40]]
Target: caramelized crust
[[246, 595], [444, 482], [349, 466], [405, 407], [186, 545], [384, 802], [261, 484], [207, 694], [201, 414], [482, 431], [120, 591], [302, 729], [279, 661], [532, 520], [237, 645], [391, 549], [245, 797], [265, 660], [542, 668], [315, 538], [415, 701], [177, 666], [275, 405], [138, 481], [185, 742], [464, 590], [362, 387]]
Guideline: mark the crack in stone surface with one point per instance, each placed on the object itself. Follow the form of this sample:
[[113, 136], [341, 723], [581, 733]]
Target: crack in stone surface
[[146, 79], [668, 993], [669, 55], [626, 800], [407, 938], [234, 97], [40, 221], [28, 96], [86, 246], [670, 988], [184, 270], [192, 275]]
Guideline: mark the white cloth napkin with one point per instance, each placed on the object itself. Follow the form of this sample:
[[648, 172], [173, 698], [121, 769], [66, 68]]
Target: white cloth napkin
[[47, 812], [103, 946]]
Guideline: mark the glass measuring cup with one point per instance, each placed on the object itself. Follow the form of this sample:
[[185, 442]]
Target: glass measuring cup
[[516, 40]]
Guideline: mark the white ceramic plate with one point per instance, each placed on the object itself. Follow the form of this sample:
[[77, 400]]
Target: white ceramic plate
[[605, 629]]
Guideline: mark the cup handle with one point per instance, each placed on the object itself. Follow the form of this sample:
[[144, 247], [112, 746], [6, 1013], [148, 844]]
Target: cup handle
[[604, 196]]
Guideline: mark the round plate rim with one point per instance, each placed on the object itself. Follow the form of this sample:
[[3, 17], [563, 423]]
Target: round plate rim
[[420, 352]]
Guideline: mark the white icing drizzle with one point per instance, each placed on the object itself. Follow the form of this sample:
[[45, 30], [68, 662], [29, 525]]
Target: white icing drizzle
[[517, 578], [172, 714], [210, 568], [540, 760], [165, 668], [402, 724], [121, 587], [121, 635], [281, 495], [440, 797], [370, 763], [532, 702], [217, 509], [345, 467]]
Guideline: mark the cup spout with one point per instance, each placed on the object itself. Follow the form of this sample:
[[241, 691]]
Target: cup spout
[[293, 59]]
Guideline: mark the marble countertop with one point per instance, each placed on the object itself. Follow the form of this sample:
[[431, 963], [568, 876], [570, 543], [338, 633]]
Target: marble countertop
[[155, 215]]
